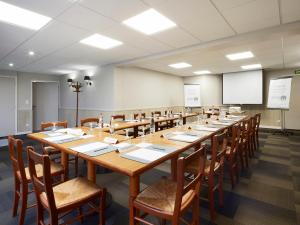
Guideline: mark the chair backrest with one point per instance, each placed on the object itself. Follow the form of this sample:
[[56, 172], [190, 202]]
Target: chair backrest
[[15, 147], [142, 115], [156, 113], [118, 117], [197, 158], [49, 125], [43, 184], [235, 139], [88, 120], [257, 121], [218, 149], [245, 128]]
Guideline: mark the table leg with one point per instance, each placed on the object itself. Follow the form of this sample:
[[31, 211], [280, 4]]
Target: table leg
[[91, 171], [184, 120], [174, 168], [134, 189], [65, 164], [135, 131], [156, 126]]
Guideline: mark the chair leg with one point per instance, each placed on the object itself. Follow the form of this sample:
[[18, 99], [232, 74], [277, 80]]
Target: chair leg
[[76, 166], [40, 214], [24, 196], [53, 219], [16, 197], [163, 222], [220, 187], [196, 212], [231, 173], [102, 207], [80, 213], [241, 154], [211, 199]]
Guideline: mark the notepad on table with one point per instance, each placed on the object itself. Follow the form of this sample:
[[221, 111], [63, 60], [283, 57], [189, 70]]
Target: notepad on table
[[62, 138], [144, 155], [94, 148], [204, 128], [184, 138]]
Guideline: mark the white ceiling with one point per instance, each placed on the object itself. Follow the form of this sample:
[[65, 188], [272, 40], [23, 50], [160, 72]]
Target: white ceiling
[[199, 23]]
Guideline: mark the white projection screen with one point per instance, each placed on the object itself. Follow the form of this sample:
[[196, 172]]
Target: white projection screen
[[243, 87]]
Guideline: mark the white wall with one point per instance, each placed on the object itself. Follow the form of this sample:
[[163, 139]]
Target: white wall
[[211, 88], [98, 96], [24, 80], [137, 88]]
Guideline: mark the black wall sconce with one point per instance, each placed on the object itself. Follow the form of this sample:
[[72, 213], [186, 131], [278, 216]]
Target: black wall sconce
[[87, 80]]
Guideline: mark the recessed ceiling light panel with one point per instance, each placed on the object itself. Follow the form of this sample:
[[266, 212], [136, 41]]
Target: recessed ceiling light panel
[[31, 53], [202, 72], [180, 65], [22, 17], [11, 64], [149, 22], [240, 55], [251, 67], [101, 41]]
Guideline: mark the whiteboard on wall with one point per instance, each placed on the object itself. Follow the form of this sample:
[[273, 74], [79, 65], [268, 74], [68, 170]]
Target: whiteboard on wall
[[279, 93], [192, 95], [244, 87]]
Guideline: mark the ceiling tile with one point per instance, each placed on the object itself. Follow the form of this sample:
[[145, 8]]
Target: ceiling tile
[[198, 17], [86, 19], [251, 15], [48, 8], [11, 37], [290, 10], [116, 9]]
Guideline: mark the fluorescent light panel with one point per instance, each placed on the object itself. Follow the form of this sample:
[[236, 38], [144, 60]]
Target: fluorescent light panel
[[149, 22], [180, 65], [22, 17], [240, 55], [101, 41], [202, 72], [252, 66]]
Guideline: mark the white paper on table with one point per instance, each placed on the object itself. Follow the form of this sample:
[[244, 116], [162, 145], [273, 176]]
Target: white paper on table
[[145, 155], [143, 145], [60, 138], [185, 138], [87, 136], [219, 123], [77, 132], [177, 132], [90, 147], [203, 128], [123, 145], [54, 134], [63, 130]]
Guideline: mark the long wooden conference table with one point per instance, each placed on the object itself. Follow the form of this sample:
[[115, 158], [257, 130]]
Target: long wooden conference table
[[115, 161]]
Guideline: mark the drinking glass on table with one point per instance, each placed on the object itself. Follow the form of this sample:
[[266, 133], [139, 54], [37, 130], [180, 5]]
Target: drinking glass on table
[[112, 126], [152, 126], [54, 128]]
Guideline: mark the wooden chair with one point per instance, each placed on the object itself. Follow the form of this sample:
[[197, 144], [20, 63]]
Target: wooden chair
[[22, 177], [65, 197], [244, 145], [169, 199], [141, 115], [257, 124], [215, 168], [83, 122], [49, 150], [252, 144], [162, 125], [156, 113], [118, 117], [232, 154], [146, 128]]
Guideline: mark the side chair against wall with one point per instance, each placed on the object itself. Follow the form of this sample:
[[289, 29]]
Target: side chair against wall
[[65, 197], [169, 199], [257, 124], [215, 169], [116, 118], [51, 151], [83, 122], [252, 144], [22, 177], [232, 154], [244, 145]]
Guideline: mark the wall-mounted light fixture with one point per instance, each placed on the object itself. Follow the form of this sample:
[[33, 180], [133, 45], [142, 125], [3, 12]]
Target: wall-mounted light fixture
[[70, 82], [87, 80]]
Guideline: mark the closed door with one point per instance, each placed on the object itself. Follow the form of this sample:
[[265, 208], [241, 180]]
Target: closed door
[[7, 106], [44, 103]]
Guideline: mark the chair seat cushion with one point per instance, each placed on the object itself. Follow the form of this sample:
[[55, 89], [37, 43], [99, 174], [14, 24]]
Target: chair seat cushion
[[161, 196], [55, 170], [51, 150], [73, 191]]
